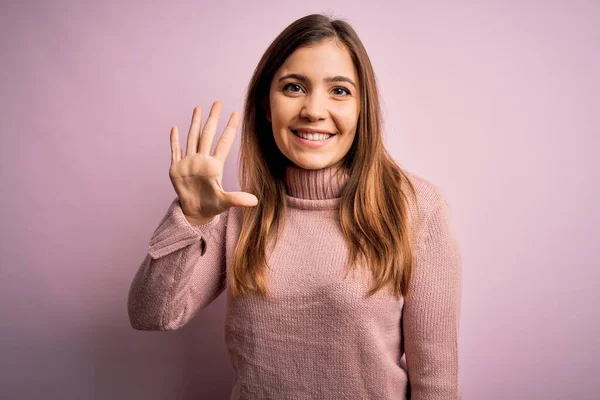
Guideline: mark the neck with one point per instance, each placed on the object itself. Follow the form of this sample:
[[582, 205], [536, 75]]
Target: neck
[[315, 184]]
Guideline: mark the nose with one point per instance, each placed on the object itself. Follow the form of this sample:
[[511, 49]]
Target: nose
[[313, 108]]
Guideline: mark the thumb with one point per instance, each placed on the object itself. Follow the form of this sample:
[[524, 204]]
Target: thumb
[[241, 199]]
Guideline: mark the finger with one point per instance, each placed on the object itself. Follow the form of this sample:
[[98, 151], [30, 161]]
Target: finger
[[194, 132], [175, 146], [241, 199], [208, 132], [226, 139]]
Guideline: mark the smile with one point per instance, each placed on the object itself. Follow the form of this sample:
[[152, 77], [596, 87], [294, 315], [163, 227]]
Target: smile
[[312, 140], [315, 137]]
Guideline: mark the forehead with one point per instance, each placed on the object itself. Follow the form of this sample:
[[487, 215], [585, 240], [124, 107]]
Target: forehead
[[323, 59]]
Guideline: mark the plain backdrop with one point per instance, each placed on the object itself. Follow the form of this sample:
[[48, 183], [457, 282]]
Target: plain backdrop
[[496, 102]]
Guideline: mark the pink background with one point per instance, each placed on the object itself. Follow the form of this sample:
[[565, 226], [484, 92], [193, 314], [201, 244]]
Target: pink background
[[497, 104]]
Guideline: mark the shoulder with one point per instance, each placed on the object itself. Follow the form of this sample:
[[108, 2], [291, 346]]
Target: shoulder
[[428, 198]]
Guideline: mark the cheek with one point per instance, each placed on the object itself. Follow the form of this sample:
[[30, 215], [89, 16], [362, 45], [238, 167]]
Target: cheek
[[275, 106], [346, 119]]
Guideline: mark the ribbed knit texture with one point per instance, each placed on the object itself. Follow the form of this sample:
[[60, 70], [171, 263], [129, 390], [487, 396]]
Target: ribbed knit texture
[[315, 336]]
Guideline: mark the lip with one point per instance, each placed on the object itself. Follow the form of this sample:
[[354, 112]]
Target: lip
[[312, 130], [311, 144]]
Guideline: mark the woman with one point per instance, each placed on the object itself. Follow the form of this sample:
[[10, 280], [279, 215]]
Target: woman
[[342, 273]]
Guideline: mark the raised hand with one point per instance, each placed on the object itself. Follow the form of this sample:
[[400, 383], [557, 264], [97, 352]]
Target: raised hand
[[197, 177]]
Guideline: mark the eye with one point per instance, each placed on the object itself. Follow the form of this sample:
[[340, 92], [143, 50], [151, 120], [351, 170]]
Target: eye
[[294, 85], [344, 89]]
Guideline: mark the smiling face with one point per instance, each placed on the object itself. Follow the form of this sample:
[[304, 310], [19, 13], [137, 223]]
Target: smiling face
[[315, 89]]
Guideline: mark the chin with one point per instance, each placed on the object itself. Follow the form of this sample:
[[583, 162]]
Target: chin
[[312, 164]]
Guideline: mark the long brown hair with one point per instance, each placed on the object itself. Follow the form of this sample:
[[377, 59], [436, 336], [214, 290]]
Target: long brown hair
[[374, 208]]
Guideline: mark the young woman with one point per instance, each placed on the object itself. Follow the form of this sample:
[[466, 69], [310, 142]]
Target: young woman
[[342, 273]]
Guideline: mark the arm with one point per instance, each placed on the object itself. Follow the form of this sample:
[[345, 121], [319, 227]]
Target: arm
[[432, 309], [183, 272]]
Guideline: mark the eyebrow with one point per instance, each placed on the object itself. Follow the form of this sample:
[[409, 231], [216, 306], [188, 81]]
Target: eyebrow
[[304, 78]]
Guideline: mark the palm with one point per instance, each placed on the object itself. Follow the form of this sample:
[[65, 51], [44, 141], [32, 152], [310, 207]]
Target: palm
[[197, 177]]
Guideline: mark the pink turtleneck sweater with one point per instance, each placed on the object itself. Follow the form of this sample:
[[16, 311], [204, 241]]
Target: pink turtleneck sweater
[[315, 337]]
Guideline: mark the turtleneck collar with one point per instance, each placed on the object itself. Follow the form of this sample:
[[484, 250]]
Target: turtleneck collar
[[315, 184]]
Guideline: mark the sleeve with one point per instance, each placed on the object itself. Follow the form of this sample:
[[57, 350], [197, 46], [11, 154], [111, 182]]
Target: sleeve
[[431, 311], [183, 272]]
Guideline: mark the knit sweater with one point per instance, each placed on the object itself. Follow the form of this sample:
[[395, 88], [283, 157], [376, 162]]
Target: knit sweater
[[315, 336]]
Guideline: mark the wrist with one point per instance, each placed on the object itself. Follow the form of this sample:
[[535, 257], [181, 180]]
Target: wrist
[[197, 219]]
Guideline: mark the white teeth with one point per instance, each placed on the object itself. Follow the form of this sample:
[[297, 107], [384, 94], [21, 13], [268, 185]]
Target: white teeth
[[313, 136]]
